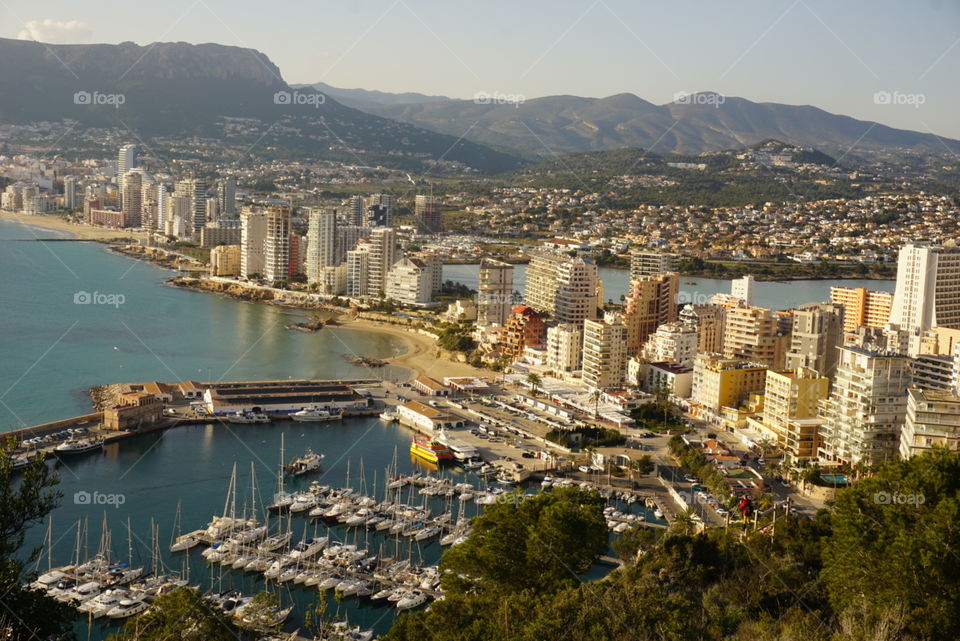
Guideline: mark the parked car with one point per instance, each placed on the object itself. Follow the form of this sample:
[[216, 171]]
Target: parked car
[[690, 478]]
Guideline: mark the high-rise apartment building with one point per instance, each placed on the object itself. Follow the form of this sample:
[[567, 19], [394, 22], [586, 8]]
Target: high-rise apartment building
[[380, 210], [132, 198], [494, 292], [928, 290], [817, 332], [675, 342], [651, 263], [708, 320], [651, 302], [790, 410], [358, 267], [383, 254], [253, 236], [862, 307], [725, 382], [196, 190], [561, 286], [564, 347], [604, 354], [524, 328], [276, 246], [321, 243], [427, 213], [409, 282], [867, 407], [126, 160], [356, 212], [70, 194], [228, 196], [754, 334], [933, 420], [348, 236]]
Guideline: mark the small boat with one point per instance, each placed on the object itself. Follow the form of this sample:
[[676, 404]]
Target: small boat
[[184, 542], [389, 416], [274, 542], [309, 462], [316, 415], [102, 603], [20, 462], [412, 600], [127, 608], [78, 447], [245, 418]]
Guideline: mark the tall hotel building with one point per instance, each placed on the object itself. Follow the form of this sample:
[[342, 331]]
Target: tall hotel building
[[494, 293]]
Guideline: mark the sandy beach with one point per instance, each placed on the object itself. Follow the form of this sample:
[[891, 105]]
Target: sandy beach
[[421, 356], [84, 232]]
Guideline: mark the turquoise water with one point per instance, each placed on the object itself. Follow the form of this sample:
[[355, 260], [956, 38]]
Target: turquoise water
[[54, 349], [772, 294], [838, 479]]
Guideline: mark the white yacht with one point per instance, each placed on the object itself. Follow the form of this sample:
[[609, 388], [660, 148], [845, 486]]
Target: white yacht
[[309, 462], [244, 418], [316, 415], [127, 608]]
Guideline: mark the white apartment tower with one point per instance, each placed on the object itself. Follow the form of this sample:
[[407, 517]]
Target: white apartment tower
[[253, 234], [561, 286], [383, 254], [321, 243], [358, 264], [564, 347], [604, 354], [126, 160], [928, 291], [867, 407], [276, 246], [494, 293]]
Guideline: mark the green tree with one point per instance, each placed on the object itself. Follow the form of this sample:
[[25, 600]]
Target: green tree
[[183, 615], [534, 380], [25, 502], [894, 544]]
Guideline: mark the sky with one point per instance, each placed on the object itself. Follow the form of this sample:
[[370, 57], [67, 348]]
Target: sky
[[893, 61]]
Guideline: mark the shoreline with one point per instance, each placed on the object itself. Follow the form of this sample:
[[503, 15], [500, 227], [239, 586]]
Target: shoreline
[[422, 356], [76, 230]]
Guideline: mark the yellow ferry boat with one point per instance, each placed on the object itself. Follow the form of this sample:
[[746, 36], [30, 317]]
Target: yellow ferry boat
[[430, 449]]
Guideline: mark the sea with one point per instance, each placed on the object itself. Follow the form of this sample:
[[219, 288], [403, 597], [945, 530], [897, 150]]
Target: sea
[[75, 315]]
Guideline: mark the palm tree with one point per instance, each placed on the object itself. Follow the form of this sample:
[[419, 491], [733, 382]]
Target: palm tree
[[683, 523], [595, 396], [534, 380]]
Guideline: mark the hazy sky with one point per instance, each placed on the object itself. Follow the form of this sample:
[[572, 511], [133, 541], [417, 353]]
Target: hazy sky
[[834, 54]]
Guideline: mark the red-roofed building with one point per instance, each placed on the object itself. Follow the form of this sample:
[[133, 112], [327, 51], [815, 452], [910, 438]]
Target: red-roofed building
[[524, 328]]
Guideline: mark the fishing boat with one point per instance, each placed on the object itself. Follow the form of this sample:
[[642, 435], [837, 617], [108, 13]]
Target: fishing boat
[[316, 415], [78, 447], [309, 462], [389, 416], [246, 418], [430, 449]]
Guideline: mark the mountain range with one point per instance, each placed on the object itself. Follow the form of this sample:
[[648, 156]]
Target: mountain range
[[238, 97], [180, 89], [696, 123], [361, 98]]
